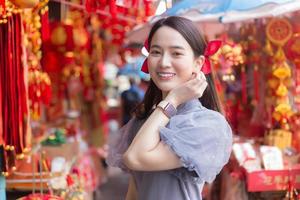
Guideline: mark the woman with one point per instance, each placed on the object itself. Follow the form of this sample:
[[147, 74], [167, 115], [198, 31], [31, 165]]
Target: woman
[[177, 140]]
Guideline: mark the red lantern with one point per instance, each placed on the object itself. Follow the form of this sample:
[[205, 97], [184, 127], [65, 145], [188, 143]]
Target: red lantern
[[61, 37]]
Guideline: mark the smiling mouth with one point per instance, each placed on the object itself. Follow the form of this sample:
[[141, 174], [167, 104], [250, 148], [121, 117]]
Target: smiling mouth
[[165, 75]]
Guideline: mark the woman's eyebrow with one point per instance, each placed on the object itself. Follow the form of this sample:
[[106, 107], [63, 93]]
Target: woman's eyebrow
[[155, 46], [171, 47], [176, 47]]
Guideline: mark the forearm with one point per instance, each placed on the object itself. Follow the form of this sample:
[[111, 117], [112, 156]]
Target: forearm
[[147, 137]]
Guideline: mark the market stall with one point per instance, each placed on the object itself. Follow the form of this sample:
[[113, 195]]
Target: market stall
[[54, 109]]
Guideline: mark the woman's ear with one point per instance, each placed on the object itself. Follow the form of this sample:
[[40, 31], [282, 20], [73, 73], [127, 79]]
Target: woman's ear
[[199, 63]]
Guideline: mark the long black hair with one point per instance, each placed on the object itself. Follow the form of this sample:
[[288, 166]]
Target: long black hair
[[191, 34]]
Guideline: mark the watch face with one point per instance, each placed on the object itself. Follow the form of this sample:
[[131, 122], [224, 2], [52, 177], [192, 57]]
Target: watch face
[[170, 110]]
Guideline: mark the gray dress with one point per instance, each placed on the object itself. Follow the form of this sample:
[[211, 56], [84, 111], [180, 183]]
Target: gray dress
[[201, 138]]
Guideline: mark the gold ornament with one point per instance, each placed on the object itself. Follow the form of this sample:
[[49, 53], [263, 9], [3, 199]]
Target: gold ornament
[[59, 36], [25, 3], [282, 72]]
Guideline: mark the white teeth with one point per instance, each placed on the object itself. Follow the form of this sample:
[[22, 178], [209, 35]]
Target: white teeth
[[165, 75]]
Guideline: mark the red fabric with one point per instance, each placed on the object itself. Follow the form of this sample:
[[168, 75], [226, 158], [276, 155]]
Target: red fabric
[[145, 63], [212, 47]]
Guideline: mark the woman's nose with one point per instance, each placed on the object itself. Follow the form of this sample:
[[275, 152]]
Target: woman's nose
[[165, 60]]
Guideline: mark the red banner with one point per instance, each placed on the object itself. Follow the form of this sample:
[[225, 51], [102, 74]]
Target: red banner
[[273, 180]]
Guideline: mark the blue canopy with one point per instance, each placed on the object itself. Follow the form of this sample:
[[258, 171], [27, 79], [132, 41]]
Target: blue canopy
[[217, 9]]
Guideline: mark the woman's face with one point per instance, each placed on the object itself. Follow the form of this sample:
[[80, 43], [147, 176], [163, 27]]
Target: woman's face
[[171, 60]]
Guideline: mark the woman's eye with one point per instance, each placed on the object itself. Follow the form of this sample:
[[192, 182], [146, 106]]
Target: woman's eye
[[177, 54], [154, 52]]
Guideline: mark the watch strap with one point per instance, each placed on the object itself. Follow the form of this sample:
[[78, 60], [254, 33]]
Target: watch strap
[[168, 109]]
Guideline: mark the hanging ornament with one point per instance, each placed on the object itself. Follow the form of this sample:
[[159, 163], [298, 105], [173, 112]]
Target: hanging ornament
[[244, 84], [61, 37], [80, 37], [282, 71], [256, 82], [113, 8], [25, 3], [39, 91], [91, 6], [2, 8], [268, 48], [279, 31], [292, 49]]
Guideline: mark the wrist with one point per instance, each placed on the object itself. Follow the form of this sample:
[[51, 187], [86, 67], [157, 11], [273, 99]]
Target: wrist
[[167, 108], [172, 101]]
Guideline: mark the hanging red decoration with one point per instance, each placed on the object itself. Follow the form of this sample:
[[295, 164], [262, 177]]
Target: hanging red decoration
[[256, 83], [45, 29], [147, 4], [113, 8], [61, 37], [134, 3], [292, 48], [2, 8], [39, 91], [91, 5], [13, 93], [279, 31], [244, 84]]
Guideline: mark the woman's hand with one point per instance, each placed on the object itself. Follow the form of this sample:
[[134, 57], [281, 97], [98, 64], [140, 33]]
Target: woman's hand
[[191, 89]]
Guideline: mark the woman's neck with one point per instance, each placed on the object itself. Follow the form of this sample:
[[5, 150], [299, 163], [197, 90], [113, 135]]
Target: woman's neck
[[164, 94]]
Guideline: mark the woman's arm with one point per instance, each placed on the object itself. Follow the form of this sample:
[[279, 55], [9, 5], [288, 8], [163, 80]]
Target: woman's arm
[[147, 152], [131, 192]]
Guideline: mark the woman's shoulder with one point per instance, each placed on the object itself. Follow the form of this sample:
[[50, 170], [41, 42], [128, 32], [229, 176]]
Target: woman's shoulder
[[194, 112]]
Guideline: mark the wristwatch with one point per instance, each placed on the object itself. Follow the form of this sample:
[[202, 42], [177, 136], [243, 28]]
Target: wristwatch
[[168, 109]]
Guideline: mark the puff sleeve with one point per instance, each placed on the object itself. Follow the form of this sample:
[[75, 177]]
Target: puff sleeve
[[120, 142], [202, 140]]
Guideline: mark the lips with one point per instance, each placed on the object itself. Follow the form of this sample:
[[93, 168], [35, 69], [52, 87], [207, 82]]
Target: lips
[[165, 75]]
